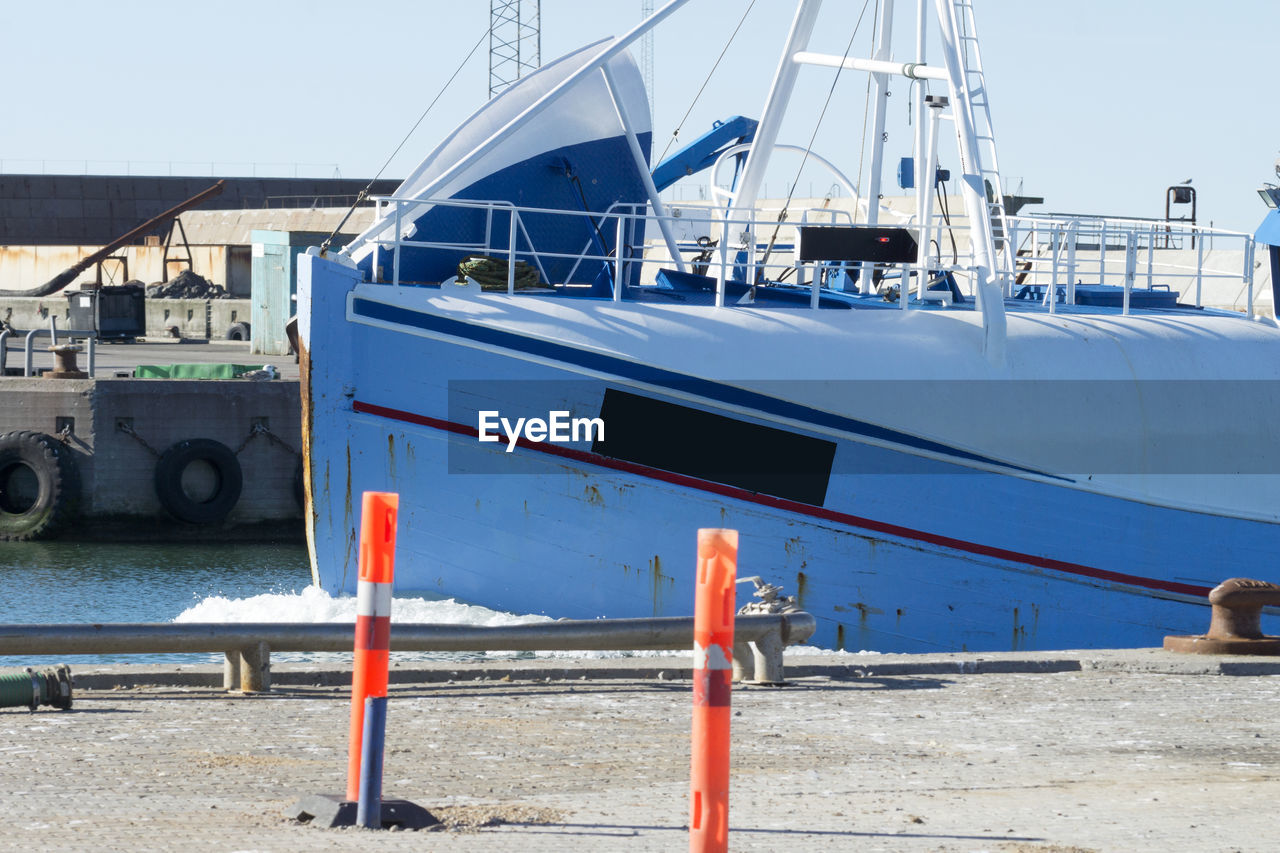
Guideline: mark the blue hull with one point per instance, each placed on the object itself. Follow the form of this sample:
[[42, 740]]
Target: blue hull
[[905, 549]]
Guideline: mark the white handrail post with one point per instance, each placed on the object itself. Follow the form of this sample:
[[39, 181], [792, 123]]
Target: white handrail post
[[511, 254], [1199, 260], [395, 259], [1056, 234], [1151, 239], [619, 273], [1249, 249], [724, 258], [1102, 253], [1072, 228], [1130, 267]]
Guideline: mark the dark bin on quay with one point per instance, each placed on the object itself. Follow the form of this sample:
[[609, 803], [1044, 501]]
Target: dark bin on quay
[[114, 311]]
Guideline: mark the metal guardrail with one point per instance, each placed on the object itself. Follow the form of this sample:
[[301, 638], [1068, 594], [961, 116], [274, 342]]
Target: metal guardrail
[[759, 640], [28, 361]]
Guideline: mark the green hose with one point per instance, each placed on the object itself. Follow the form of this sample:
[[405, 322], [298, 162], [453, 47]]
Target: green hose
[[32, 689], [491, 272]]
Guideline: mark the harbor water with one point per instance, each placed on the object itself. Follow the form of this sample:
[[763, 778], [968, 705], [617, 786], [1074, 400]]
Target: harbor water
[[58, 582]]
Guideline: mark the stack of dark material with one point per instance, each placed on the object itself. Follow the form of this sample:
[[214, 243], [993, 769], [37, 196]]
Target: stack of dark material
[[187, 285]]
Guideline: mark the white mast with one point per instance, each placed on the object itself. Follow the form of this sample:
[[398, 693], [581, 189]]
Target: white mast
[[880, 108]]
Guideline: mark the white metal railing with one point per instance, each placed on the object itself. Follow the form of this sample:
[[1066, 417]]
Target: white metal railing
[[1053, 254], [758, 649], [1047, 256]]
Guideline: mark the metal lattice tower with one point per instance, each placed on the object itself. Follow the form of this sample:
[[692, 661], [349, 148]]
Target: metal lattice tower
[[646, 56], [515, 41]]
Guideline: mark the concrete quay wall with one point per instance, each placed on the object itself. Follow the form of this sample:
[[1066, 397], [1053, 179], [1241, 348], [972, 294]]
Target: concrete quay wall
[[117, 428], [194, 319]]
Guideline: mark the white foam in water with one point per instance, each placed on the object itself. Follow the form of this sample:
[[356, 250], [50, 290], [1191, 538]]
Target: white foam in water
[[313, 604]]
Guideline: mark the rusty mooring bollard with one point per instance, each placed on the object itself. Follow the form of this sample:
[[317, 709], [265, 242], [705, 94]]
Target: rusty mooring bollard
[[1235, 626], [66, 367]]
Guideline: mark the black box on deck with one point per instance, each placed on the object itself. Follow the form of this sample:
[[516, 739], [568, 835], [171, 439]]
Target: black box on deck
[[116, 311], [884, 245]]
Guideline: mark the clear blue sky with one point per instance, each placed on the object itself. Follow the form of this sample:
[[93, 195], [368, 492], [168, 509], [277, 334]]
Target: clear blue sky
[[1099, 105]]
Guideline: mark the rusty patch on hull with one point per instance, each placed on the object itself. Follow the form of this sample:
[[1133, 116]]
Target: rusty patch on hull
[[308, 480]]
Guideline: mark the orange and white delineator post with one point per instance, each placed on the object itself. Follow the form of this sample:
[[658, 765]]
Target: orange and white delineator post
[[373, 618], [713, 613]]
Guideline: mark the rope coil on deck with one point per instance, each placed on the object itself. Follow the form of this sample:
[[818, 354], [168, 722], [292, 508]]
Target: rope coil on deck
[[491, 272]]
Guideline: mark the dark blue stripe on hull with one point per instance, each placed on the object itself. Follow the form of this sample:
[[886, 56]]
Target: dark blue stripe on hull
[[663, 378]]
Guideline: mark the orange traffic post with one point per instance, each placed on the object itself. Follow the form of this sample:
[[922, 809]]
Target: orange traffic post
[[713, 612], [373, 618]]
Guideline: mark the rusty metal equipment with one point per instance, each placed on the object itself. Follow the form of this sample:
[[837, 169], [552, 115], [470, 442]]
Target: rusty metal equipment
[[1235, 626], [66, 367], [70, 274]]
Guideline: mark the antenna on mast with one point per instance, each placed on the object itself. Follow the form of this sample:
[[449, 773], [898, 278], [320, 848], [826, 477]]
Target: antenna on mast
[[515, 41]]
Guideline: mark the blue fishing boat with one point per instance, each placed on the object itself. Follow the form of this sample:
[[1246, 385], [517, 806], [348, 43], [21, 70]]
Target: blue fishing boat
[[937, 430]]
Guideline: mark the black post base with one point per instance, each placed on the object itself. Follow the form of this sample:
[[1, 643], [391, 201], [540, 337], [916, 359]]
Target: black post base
[[328, 810]]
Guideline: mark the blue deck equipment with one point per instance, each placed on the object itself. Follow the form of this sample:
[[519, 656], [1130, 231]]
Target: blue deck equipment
[[703, 152]]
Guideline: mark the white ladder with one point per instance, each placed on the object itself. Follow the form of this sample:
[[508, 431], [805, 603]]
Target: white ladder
[[971, 57]]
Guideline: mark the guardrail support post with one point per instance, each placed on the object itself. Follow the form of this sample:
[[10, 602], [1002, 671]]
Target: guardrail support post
[[255, 668], [767, 652], [744, 662], [231, 670]]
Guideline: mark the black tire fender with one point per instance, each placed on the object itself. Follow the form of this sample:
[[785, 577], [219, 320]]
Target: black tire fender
[[39, 489], [238, 332], [173, 496]]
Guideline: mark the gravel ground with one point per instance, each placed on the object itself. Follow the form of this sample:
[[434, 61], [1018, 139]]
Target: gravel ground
[[1129, 758]]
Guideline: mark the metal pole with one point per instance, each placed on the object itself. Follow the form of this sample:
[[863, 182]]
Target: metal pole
[[924, 180], [880, 108], [642, 169], [661, 632], [775, 107], [369, 804], [926, 212]]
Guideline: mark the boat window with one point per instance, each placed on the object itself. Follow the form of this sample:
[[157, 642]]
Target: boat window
[[714, 447]]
